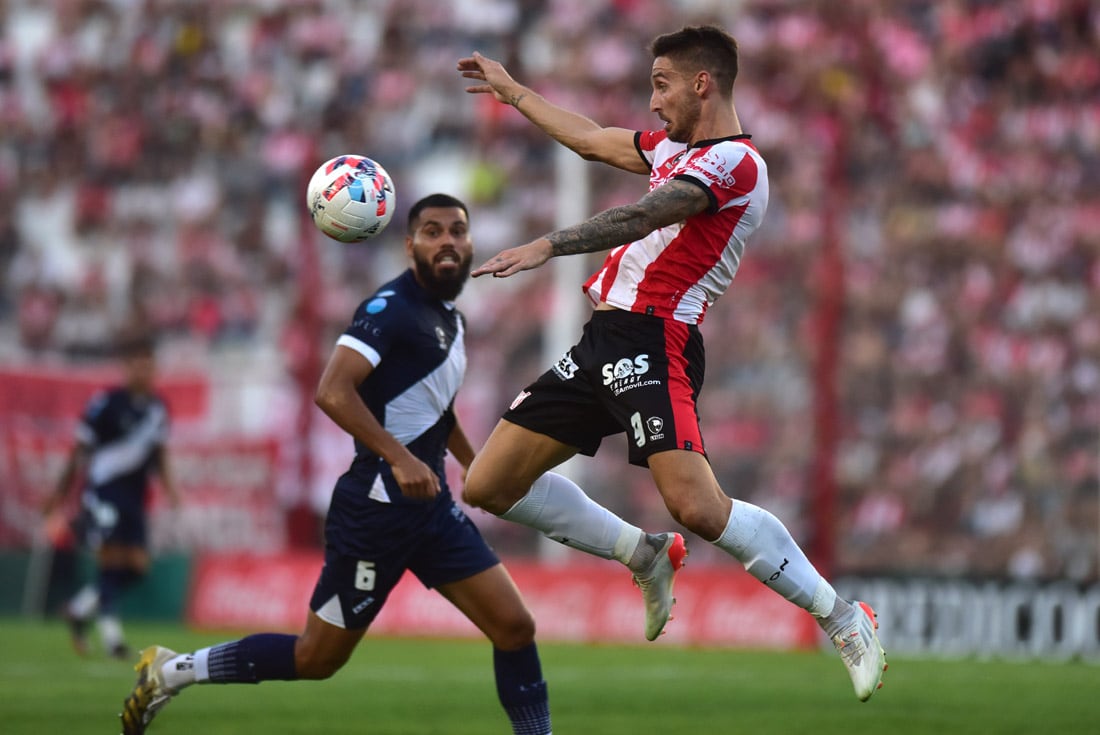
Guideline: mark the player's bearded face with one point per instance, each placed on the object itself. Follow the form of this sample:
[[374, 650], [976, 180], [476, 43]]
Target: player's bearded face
[[441, 251], [443, 274]]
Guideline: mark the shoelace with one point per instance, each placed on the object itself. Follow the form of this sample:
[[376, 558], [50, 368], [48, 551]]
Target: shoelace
[[852, 648]]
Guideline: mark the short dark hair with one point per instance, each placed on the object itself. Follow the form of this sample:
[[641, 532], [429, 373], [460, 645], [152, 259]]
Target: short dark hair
[[434, 200], [707, 48]]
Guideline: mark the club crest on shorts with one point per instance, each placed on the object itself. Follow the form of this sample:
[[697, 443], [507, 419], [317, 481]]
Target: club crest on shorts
[[655, 424]]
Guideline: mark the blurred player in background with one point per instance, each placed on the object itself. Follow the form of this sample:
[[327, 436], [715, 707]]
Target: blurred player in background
[[120, 444], [390, 383], [639, 364]]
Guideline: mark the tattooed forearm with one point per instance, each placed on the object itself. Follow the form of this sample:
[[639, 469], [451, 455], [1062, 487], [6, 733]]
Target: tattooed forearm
[[605, 230], [665, 205]]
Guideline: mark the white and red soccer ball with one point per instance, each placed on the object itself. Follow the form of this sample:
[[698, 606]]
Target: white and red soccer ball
[[351, 198]]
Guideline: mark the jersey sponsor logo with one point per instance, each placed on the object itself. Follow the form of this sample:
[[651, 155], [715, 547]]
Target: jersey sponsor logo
[[566, 367], [713, 166], [365, 324]]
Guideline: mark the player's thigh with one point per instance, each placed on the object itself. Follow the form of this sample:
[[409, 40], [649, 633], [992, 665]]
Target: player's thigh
[[690, 491], [511, 460], [491, 600]]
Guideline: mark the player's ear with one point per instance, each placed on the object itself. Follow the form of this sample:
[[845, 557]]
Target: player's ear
[[408, 246], [702, 81]]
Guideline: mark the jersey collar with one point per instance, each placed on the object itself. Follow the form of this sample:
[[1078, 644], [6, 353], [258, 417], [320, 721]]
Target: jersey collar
[[712, 141]]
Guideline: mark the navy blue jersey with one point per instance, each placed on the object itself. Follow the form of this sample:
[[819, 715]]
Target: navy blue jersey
[[122, 433], [415, 343]]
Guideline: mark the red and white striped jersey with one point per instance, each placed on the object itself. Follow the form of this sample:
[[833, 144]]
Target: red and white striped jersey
[[678, 271]]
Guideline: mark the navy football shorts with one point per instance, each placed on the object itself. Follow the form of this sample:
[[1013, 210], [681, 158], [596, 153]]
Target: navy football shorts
[[369, 545], [630, 372], [107, 518]]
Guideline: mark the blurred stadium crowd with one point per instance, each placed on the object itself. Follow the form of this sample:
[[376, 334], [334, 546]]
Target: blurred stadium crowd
[[152, 154]]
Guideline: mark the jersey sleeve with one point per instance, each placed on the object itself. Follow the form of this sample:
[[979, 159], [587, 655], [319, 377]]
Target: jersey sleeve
[[646, 142], [726, 171], [373, 327]]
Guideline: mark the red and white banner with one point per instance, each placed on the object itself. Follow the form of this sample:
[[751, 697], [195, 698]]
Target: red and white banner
[[585, 602], [227, 490], [58, 394]]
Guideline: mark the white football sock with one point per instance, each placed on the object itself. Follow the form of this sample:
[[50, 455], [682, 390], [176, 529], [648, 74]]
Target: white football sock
[[85, 603], [110, 631], [178, 672], [556, 506], [763, 544]]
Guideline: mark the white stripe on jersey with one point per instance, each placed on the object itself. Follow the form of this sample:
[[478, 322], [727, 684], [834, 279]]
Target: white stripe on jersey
[[418, 409], [130, 451], [361, 347]]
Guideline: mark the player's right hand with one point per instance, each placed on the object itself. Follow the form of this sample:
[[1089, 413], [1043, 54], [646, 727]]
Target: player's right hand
[[498, 81], [513, 260], [416, 479]]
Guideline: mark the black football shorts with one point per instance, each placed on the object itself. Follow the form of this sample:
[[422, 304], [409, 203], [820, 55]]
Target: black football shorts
[[630, 372]]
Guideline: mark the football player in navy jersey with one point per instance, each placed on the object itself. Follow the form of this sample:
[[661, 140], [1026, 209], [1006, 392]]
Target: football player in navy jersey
[[638, 367], [390, 383], [120, 444]]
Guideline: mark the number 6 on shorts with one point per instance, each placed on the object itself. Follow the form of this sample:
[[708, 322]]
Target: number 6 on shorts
[[365, 576]]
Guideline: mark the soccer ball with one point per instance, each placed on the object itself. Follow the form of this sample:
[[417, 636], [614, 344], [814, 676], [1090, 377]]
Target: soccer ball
[[350, 198]]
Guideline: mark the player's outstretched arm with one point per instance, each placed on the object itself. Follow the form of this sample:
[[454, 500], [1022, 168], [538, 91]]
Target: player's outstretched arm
[[667, 204], [613, 146]]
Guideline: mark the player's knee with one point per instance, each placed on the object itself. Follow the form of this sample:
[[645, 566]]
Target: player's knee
[[702, 519], [515, 632], [482, 491]]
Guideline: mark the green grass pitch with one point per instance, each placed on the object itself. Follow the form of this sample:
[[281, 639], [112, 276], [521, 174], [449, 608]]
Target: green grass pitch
[[425, 687]]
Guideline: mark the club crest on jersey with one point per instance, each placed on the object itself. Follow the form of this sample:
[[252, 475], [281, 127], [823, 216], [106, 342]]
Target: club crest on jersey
[[442, 337]]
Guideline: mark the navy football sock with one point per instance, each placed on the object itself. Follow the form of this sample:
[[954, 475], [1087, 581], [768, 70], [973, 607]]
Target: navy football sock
[[256, 658], [110, 583], [522, 691]]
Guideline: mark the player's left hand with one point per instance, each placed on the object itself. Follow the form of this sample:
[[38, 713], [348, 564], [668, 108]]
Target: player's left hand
[[513, 260]]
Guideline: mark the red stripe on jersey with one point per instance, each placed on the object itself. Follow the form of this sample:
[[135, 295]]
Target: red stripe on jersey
[[608, 270], [685, 260], [684, 416]]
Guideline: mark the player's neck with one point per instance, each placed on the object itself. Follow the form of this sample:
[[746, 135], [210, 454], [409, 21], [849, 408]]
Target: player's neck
[[723, 123]]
